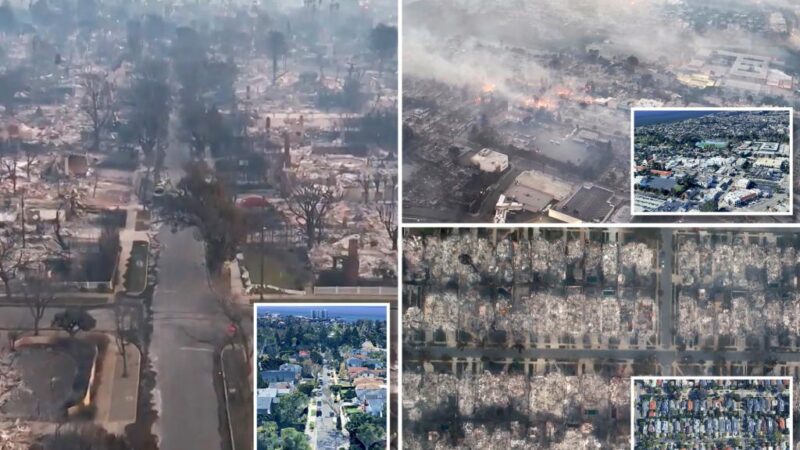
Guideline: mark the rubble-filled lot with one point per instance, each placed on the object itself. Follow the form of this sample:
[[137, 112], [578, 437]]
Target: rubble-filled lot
[[536, 408], [471, 283], [737, 285], [14, 434]]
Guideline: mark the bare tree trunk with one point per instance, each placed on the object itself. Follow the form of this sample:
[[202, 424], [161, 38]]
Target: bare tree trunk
[[7, 285], [36, 319], [22, 216], [96, 140], [124, 354], [311, 234], [274, 68]]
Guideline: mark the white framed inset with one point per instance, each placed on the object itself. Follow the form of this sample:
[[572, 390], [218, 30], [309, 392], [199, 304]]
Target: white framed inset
[[327, 306], [634, 379], [790, 203]]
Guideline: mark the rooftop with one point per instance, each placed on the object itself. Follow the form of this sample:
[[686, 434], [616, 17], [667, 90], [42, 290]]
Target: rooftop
[[589, 204]]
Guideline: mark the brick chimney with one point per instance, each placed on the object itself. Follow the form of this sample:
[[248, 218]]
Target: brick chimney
[[287, 154], [351, 264]]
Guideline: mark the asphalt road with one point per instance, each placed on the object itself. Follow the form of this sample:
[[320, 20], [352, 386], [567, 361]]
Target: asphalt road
[[666, 298], [326, 434], [187, 326]]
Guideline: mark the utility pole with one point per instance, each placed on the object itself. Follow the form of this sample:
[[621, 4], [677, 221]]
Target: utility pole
[[22, 214], [261, 275]]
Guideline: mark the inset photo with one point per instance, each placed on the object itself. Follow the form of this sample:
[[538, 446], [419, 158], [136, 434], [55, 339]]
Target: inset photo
[[711, 412], [711, 161], [322, 376]]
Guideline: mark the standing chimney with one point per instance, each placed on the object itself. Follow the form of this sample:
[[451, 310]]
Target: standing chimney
[[351, 265], [287, 155]]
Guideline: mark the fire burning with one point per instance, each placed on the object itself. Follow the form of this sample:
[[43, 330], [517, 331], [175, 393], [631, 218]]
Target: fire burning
[[564, 92], [538, 103], [488, 88]]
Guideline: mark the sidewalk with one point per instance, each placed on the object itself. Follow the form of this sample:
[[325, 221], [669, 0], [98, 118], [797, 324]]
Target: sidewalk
[[127, 236], [238, 397], [67, 299], [117, 397]]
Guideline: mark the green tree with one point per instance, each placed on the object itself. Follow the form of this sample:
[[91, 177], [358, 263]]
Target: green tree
[[369, 434], [289, 410], [709, 206], [268, 438], [306, 388], [292, 439]]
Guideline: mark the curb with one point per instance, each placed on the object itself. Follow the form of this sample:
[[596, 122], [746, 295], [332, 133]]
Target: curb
[[225, 393], [146, 269]]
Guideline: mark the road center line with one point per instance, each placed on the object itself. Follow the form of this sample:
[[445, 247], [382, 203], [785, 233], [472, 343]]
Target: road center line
[[196, 349]]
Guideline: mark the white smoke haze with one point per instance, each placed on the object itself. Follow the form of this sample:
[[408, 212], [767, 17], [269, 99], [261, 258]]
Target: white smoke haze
[[467, 41]]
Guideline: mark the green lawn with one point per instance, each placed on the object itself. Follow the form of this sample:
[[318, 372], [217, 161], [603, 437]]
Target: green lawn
[[136, 274]]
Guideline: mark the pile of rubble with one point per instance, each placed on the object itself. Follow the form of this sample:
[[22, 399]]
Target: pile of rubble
[[441, 310], [638, 257], [10, 379], [594, 257], [688, 262], [549, 257], [413, 319], [743, 316], [553, 396], [14, 435], [509, 261], [574, 250], [610, 260], [733, 265]]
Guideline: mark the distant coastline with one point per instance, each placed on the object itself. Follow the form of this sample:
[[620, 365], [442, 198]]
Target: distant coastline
[[642, 118], [346, 313]]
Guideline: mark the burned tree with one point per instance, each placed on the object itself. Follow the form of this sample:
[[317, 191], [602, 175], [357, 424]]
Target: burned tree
[[364, 181], [30, 157], [310, 203], [149, 97], [37, 296], [278, 48], [12, 259], [97, 104], [10, 169], [123, 333], [377, 178], [383, 41], [206, 204], [387, 212]]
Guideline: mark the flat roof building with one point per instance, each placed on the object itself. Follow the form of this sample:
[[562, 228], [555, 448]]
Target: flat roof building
[[489, 160], [647, 203], [588, 204]]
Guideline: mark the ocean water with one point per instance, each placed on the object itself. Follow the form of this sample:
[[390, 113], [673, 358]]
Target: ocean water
[[655, 117], [346, 313]]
